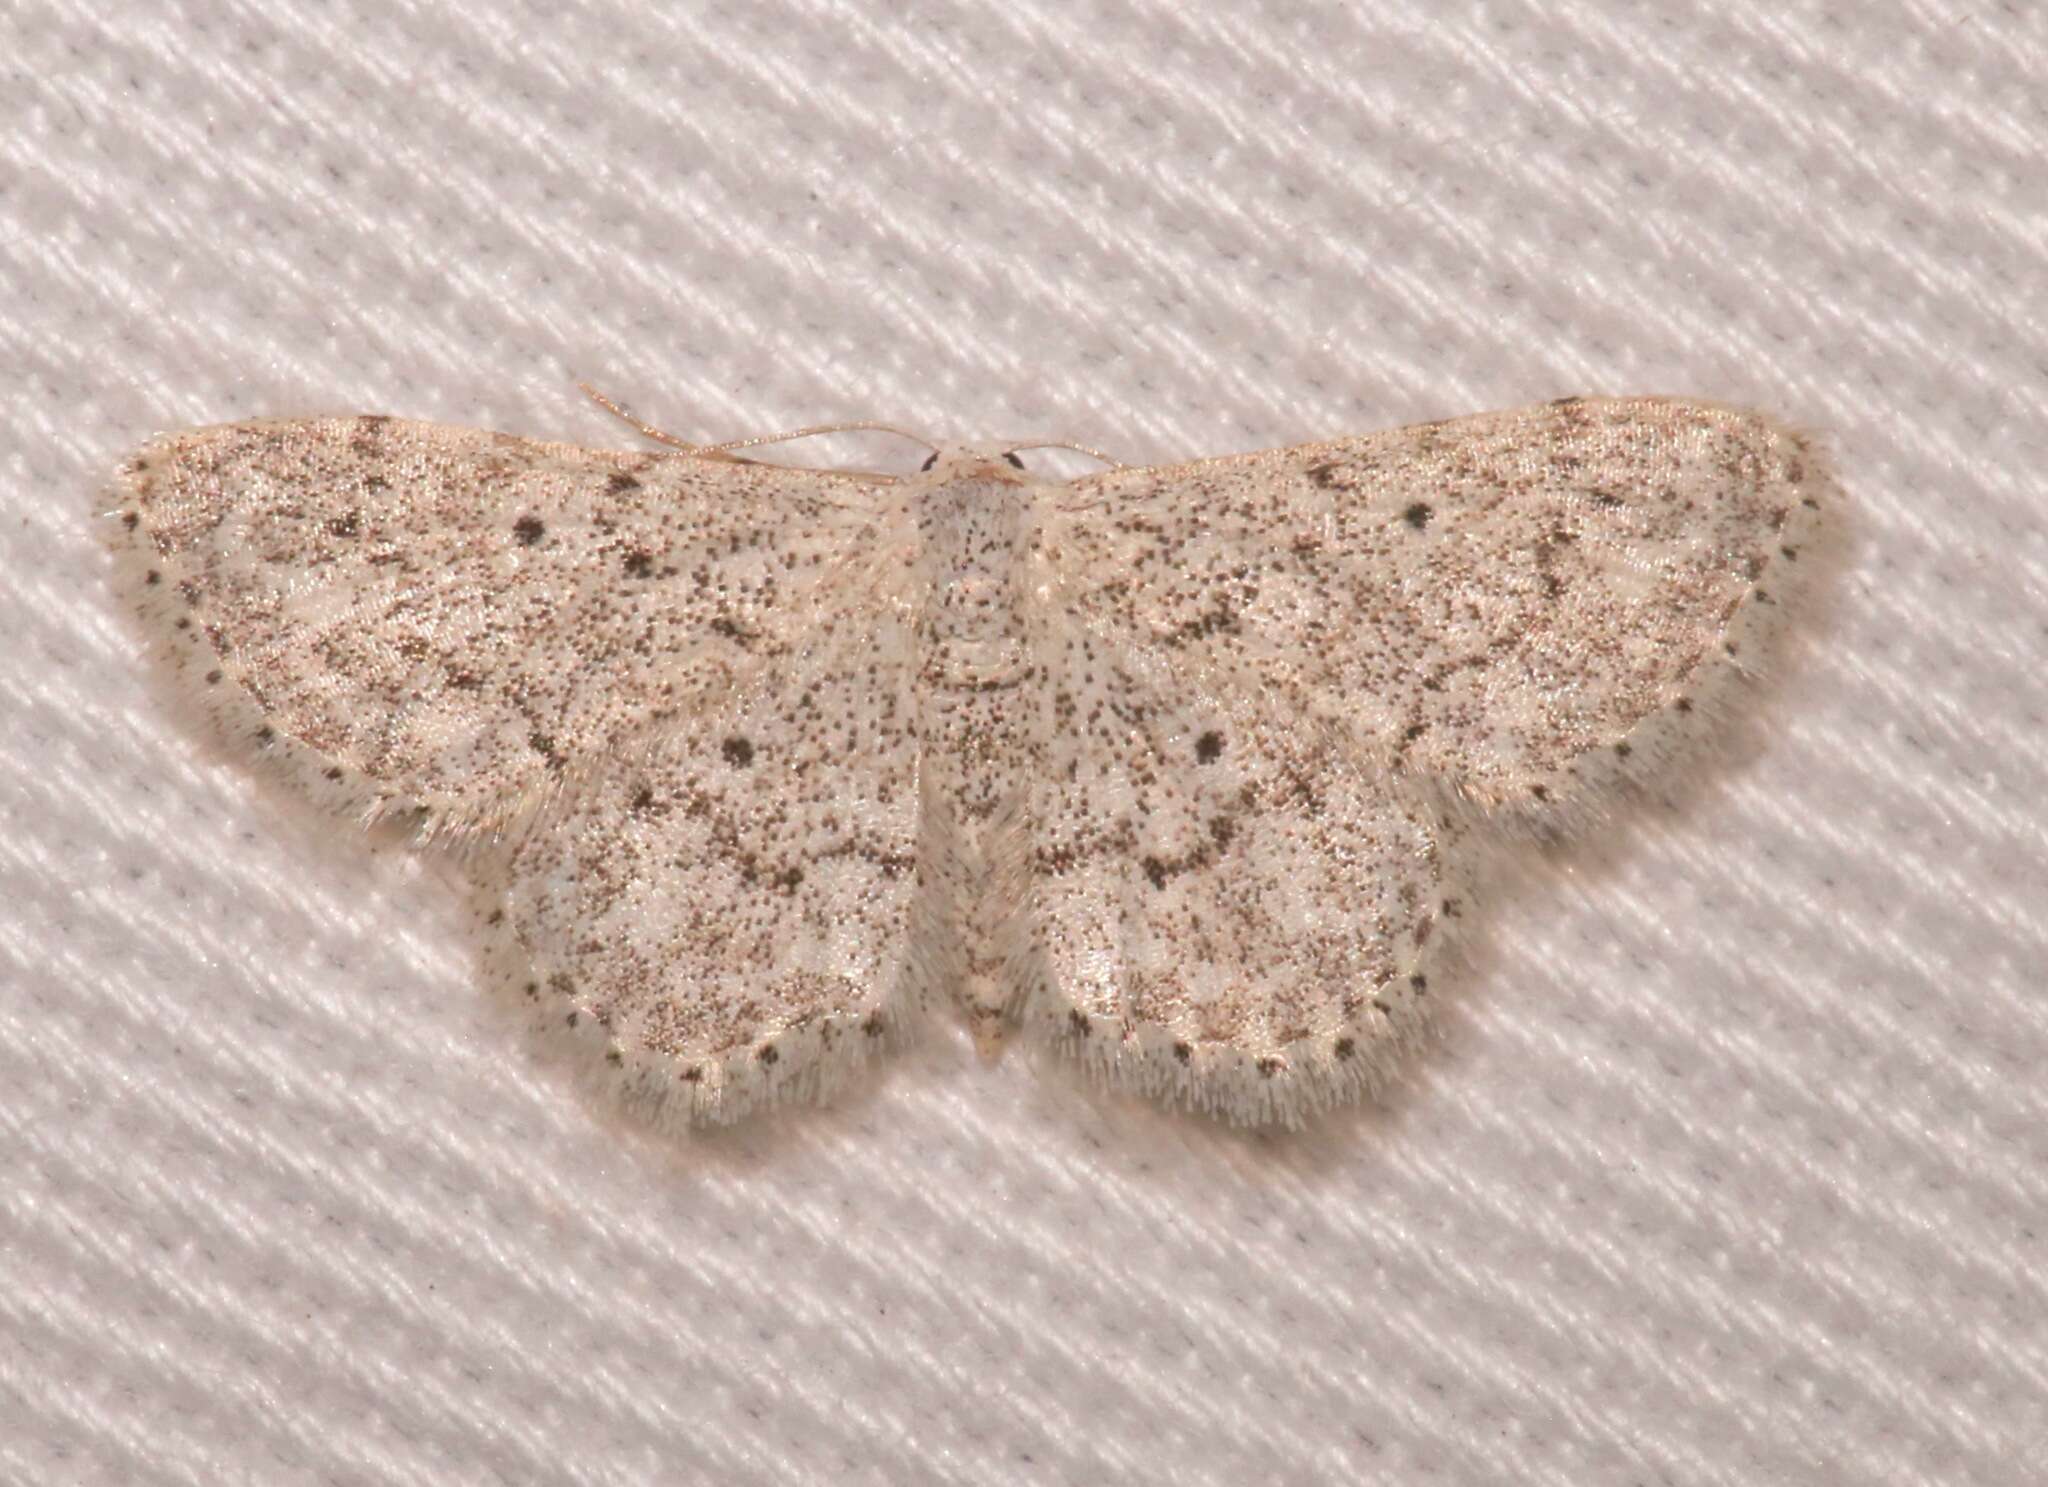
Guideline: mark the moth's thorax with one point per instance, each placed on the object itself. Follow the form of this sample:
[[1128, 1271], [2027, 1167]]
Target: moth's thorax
[[973, 513]]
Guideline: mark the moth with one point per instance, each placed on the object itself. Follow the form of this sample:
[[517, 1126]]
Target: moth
[[1172, 768]]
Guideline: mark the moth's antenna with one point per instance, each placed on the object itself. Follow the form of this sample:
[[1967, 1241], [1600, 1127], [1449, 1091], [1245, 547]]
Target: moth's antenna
[[658, 435], [1093, 454], [861, 427], [730, 445]]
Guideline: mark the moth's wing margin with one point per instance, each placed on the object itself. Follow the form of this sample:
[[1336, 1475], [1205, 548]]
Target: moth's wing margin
[[1513, 604], [442, 618]]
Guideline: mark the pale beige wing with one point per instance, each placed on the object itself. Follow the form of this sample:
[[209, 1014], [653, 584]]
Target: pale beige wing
[[1220, 907], [729, 917], [1267, 680], [1490, 601], [468, 622]]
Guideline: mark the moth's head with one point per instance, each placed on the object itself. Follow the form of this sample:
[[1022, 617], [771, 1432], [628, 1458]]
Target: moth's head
[[994, 462]]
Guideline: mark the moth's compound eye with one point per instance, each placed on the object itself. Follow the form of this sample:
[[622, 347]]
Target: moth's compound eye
[[1011, 456], [930, 460]]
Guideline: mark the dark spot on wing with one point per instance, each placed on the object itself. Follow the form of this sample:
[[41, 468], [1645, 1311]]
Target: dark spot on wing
[[1209, 747], [738, 752], [528, 530], [731, 631], [368, 438], [1417, 515], [1218, 619]]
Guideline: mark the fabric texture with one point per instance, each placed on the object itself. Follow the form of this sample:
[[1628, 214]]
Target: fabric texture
[[1731, 1162]]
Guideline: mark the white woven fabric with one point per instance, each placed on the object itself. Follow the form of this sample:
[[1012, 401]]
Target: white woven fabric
[[1732, 1164]]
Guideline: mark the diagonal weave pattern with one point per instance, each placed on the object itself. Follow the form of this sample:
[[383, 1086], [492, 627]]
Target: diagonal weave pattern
[[1730, 1166]]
